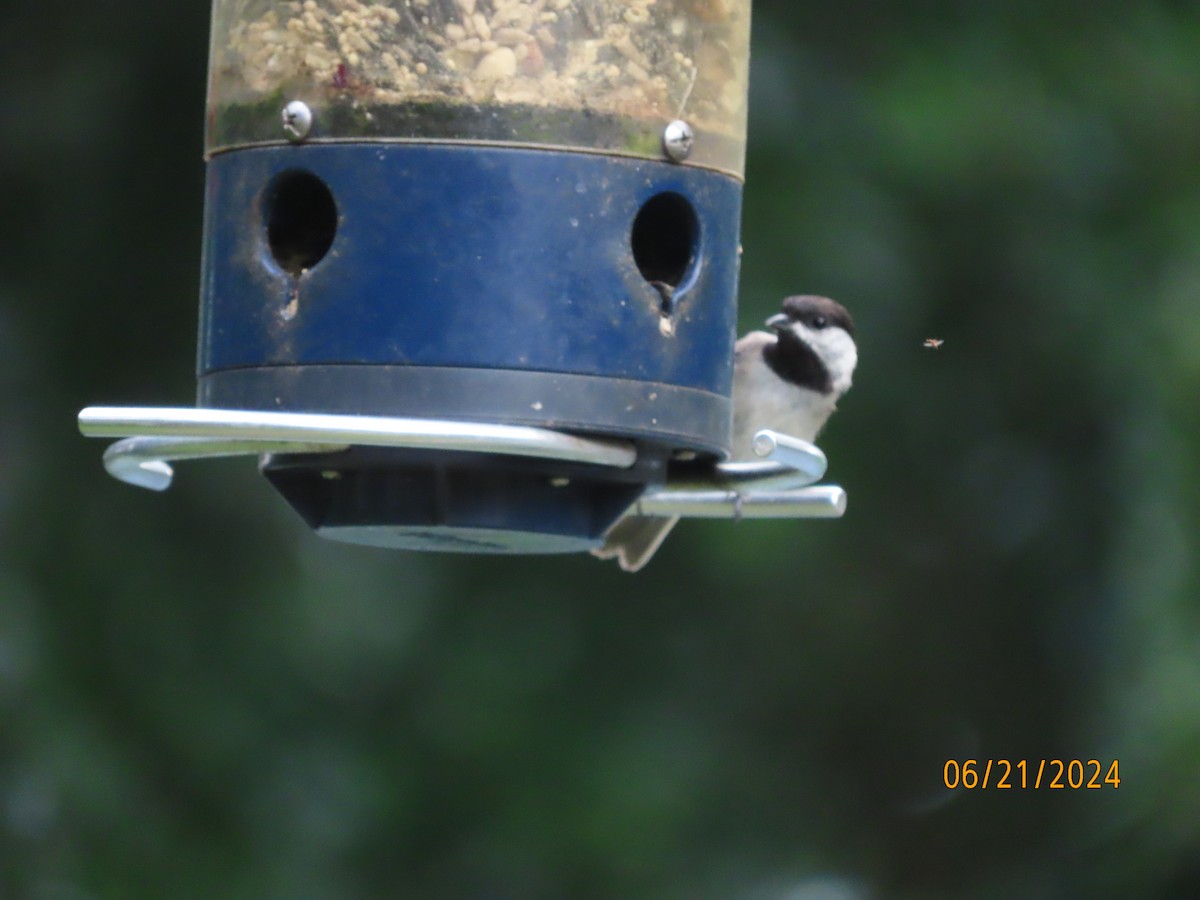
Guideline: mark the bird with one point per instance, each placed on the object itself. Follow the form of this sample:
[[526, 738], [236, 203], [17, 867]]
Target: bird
[[789, 380], [933, 343]]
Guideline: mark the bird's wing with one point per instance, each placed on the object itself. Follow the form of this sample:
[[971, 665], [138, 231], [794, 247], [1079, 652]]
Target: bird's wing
[[757, 400], [749, 345]]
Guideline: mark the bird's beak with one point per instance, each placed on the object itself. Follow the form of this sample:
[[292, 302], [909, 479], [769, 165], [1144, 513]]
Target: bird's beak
[[778, 322]]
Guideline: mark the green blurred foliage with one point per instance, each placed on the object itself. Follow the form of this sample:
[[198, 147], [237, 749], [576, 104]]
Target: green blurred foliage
[[200, 698]]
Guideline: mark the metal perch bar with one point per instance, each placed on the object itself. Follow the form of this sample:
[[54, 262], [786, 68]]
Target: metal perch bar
[[822, 502]]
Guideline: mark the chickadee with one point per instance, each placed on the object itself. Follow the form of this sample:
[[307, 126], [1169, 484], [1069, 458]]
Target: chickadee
[[789, 381]]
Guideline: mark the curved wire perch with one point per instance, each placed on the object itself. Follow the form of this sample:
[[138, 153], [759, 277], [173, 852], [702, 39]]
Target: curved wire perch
[[803, 456], [146, 461], [790, 463], [157, 435]]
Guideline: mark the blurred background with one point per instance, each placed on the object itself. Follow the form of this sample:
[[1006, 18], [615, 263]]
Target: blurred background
[[198, 697]]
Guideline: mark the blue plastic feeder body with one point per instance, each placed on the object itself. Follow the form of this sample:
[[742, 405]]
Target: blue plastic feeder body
[[569, 290], [470, 282]]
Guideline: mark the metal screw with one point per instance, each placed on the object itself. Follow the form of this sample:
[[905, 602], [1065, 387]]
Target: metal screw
[[678, 139], [297, 120]]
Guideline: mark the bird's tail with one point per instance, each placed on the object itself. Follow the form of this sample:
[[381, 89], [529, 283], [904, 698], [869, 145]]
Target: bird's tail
[[634, 539]]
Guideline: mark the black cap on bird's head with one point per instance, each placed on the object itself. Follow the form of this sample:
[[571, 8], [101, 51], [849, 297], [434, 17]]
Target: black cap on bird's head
[[815, 344], [814, 312]]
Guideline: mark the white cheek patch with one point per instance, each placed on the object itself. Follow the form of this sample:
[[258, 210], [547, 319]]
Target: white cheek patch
[[842, 358], [836, 349]]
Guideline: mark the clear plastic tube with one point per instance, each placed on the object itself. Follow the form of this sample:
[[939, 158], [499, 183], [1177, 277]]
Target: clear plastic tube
[[595, 75]]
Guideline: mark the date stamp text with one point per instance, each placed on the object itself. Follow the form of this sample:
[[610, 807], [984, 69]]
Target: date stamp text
[[1031, 774]]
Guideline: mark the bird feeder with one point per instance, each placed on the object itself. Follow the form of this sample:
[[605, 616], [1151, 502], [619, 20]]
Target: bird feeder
[[470, 270]]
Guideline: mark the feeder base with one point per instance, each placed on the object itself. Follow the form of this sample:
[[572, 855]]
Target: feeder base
[[462, 503]]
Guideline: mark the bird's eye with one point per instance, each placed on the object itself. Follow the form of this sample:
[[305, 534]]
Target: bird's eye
[[817, 322]]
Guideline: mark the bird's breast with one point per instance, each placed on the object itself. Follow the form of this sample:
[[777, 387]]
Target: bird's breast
[[761, 399]]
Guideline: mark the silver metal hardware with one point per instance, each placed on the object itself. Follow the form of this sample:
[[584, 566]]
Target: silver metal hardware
[[297, 120], [777, 487], [154, 437], [678, 140], [821, 502], [230, 432]]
